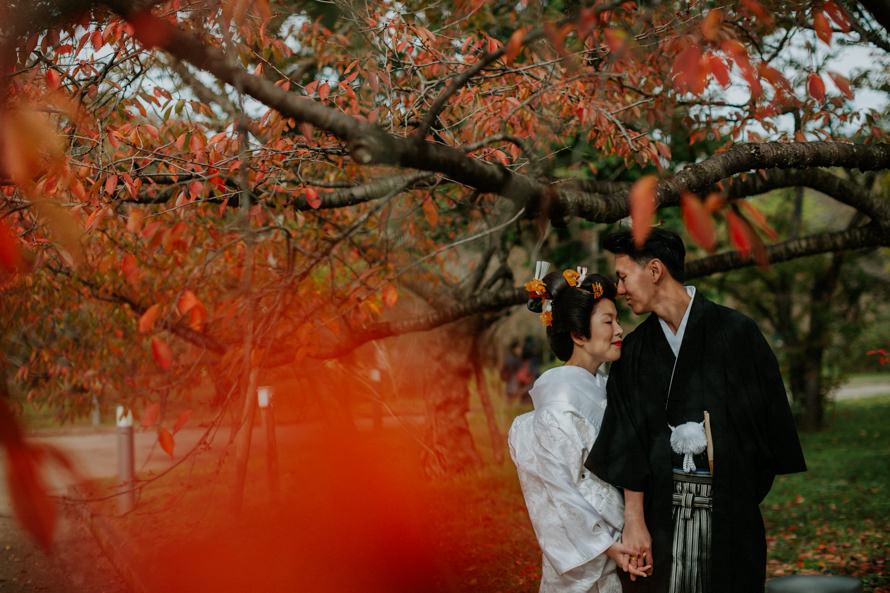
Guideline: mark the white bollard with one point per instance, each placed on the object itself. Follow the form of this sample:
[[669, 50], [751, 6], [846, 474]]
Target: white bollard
[[125, 454]]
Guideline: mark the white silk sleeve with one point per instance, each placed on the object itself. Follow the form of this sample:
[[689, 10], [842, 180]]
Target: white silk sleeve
[[549, 454]]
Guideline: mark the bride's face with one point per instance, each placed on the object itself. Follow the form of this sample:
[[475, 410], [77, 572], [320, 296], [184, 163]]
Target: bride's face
[[604, 343]]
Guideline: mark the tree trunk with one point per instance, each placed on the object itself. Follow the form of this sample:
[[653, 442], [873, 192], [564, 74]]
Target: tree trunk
[[447, 398], [494, 433]]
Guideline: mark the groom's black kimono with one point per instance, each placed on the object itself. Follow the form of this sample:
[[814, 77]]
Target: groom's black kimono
[[725, 367]]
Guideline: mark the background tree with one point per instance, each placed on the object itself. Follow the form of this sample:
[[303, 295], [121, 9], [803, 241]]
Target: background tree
[[197, 189]]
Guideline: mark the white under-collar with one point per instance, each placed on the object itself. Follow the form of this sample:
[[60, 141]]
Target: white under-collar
[[675, 340]]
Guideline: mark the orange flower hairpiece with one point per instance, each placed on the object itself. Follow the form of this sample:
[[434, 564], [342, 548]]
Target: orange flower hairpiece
[[547, 318], [536, 288], [571, 277], [597, 289]]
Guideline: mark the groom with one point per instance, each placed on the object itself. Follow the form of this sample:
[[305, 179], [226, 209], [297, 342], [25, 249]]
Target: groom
[[699, 526]]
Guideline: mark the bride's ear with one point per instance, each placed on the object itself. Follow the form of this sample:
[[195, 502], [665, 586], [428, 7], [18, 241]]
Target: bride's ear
[[578, 339]]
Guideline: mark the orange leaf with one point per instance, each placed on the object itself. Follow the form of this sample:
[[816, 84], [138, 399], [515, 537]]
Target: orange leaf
[[150, 415], [842, 84], [822, 27], [816, 87], [698, 221], [197, 316], [713, 202], [514, 44], [759, 219], [162, 353], [110, 184], [712, 23], [390, 295], [312, 198], [180, 422], [166, 441], [429, 210], [129, 267], [134, 220], [187, 302], [147, 320], [324, 89], [642, 208], [53, 79]]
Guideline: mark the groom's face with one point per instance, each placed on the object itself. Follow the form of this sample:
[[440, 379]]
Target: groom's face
[[635, 284]]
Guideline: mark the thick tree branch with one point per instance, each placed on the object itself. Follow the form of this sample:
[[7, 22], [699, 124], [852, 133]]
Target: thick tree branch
[[838, 188], [858, 238]]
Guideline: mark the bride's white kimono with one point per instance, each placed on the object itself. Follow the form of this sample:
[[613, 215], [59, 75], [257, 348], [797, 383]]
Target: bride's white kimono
[[576, 516]]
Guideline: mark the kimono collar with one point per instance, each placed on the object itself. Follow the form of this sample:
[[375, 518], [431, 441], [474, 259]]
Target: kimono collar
[[675, 340], [570, 386]]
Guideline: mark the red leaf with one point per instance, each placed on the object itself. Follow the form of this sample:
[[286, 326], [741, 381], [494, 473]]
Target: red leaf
[[759, 219], [837, 14], [166, 441], [10, 257], [816, 87], [738, 234], [822, 26], [642, 208], [842, 84], [698, 221], [312, 198], [150, 415], [53, 79], [197, 316], [180, 422], [134, 220], [148, 29], [687, 68], [187, 302], [110, 184], [129, 267], [147, 319], [324, 90], [162, 353], [719, 69], [96, 40], [712, 23]]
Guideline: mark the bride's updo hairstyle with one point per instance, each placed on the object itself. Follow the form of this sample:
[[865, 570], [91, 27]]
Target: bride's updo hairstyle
[[571, 308]]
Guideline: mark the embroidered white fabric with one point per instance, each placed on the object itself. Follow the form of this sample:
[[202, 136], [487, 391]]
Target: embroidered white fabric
[[576, 516]]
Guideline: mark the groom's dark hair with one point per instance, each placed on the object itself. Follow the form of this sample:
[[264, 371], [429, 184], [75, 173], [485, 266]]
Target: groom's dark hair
[[661, 244]]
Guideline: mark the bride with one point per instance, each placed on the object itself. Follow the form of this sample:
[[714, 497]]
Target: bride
[[576, 516]]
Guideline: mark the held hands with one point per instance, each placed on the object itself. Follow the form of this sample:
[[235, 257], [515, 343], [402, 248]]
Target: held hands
[[626, 558], [637, 540]]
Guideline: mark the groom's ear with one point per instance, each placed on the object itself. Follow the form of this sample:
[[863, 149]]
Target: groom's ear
[[656, 270]]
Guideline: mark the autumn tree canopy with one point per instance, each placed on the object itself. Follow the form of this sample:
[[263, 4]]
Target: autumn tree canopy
[[225, 185]]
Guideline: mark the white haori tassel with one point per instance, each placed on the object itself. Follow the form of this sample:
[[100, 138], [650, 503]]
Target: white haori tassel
[[688, 439]]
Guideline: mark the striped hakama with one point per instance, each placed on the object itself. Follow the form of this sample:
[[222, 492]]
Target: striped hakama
[[691, 565]]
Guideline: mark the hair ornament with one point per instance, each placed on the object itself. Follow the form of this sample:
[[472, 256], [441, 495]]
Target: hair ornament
[[571, 277], [597, 289], [582, 274], [539, 298]]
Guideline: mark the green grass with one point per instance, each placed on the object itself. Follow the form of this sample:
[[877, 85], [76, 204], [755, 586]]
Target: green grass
[[835, 518]]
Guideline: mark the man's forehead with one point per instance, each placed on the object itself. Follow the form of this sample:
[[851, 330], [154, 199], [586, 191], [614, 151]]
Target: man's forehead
[[624, 263]]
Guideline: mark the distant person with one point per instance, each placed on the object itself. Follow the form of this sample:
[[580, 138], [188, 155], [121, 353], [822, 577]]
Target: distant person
[[576, 516], [696, 428], [510, 372]]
